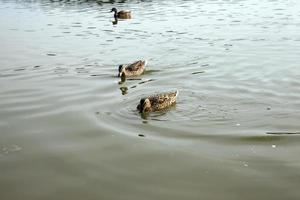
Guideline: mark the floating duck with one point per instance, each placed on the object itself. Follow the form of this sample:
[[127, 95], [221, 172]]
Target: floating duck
[[134, 69], [123, 14], [157, 102]]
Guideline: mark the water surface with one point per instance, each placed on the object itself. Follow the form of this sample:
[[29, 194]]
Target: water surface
[[70, 129]]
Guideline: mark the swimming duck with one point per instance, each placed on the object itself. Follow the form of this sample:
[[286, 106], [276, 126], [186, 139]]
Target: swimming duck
[[123, 14], [134, 69], [157, 102]]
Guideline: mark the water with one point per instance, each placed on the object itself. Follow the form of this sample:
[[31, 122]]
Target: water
[[69, 128]]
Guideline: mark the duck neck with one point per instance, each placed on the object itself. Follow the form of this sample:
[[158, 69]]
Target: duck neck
[[123, 77], [116, 13]]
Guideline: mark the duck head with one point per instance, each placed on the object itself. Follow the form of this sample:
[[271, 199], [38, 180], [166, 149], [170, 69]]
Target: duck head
[[121, 71], [144, 106], [114, 10]]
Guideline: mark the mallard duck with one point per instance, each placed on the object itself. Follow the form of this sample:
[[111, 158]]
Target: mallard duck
[[157, 102], [123, 14], [134, 69]]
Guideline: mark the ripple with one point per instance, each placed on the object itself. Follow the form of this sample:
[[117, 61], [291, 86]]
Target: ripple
[[7, 149], [231, 40], [51, 54], [235, 64]]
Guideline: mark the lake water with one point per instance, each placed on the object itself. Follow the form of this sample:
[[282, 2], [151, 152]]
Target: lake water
[[69, 128]]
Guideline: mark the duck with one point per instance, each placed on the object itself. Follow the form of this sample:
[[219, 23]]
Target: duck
[[123, 14], [133, 69], [157, 102]]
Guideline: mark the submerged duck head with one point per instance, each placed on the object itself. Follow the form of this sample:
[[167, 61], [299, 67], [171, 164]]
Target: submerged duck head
[[121, 71], [144, 106]]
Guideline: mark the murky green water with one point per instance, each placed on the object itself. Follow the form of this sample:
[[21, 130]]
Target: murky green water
[[69, 129]]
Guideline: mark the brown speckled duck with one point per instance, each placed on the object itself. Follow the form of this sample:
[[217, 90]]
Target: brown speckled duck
[[157, 102], [134, 69], [123, 14]]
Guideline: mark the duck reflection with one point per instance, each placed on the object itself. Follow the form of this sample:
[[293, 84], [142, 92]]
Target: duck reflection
[[115, 21], [157, 116], [144, 116], [124, 90]]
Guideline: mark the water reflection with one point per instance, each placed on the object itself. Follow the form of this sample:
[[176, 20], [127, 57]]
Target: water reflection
[[213, 51], [115, 21], [124, 90], [158, 115], [123, 79]]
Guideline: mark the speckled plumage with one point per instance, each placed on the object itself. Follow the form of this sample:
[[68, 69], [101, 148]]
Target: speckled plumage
[[134, 69], [157, 102]]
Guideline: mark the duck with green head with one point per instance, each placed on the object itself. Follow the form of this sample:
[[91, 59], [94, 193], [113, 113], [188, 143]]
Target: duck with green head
[[123, 14], [157, 102]]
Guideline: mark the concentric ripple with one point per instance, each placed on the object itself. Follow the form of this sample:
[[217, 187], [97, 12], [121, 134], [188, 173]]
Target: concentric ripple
[[69, 127]]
